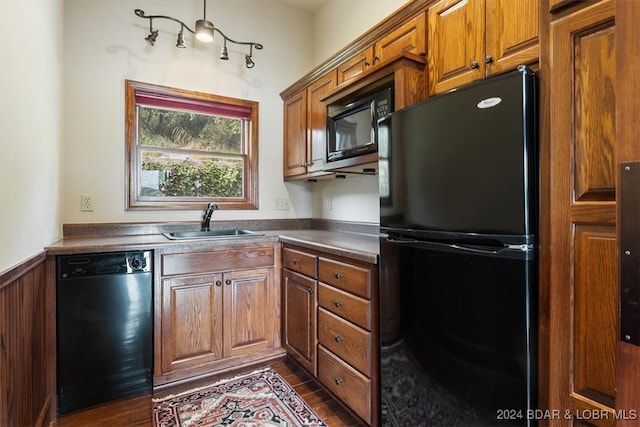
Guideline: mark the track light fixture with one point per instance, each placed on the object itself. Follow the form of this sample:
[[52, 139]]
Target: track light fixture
[[204, 31]]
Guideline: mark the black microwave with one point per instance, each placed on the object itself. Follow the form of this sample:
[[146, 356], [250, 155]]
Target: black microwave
[[352, 127]]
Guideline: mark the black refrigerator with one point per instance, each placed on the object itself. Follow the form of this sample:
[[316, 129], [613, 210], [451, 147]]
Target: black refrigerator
[[458, 269]]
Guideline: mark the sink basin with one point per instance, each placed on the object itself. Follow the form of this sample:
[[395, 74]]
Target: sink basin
[[213, 234]]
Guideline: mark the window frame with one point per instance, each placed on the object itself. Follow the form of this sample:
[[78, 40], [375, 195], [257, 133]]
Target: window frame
[[133, 165]]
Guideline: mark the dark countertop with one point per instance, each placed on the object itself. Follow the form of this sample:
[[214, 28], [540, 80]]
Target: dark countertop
[[358, 246]]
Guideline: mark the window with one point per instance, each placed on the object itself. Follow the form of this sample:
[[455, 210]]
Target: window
[[186, 149]]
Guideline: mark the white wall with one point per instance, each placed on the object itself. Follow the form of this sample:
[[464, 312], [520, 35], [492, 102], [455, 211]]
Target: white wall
[[339, 22], [30, 127], [63, 103], [104, 43]]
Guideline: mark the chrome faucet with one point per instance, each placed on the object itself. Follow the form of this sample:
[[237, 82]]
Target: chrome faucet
[[206, 218]]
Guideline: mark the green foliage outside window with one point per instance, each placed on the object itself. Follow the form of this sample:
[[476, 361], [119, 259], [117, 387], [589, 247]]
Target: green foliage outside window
[[187, 179], [192, 155]]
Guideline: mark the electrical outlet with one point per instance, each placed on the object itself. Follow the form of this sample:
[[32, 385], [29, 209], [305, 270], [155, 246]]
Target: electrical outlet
[[86, 202], [282, 204], [328, 203]]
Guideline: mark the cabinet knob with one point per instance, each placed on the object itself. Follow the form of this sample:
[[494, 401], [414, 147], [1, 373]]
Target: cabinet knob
[[338, 381], [338, 304], [218, 283], [310, 291], [337, 275], [338, 338], [227, 282], [488, 59], [366, 63], [474, 65], [376, 58], [296, 262]]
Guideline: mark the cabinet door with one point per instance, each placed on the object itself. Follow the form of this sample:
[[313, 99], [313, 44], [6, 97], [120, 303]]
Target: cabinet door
[[317, 119], [300, 318], [191, 324], [409, 37], [512, 30], [583, 284], [456, 43], [251, 311], [356, 65], [295, 134]]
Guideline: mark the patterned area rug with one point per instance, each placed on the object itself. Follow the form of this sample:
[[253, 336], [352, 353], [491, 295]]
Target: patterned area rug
[[261, 398]]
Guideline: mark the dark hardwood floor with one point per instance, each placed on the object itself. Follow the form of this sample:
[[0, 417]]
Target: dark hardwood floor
[[136, 411]]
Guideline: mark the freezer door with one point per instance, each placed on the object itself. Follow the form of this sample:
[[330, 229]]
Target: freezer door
[[467, 322]]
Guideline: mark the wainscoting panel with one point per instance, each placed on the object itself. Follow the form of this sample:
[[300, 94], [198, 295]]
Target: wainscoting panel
[[24, 356]]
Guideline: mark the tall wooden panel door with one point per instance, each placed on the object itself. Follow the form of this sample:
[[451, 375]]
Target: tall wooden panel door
[[584, 261], [628, 157]]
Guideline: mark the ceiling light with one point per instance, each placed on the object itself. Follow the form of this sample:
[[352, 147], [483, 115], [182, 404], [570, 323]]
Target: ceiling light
[[180, 41], [224, 53], [204, 32]]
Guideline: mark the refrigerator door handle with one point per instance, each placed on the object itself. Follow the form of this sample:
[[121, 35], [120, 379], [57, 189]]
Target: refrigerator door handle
[[505, 249], [476, 249]]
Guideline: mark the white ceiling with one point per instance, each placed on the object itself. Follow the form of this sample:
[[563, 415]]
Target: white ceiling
[[308, 5]]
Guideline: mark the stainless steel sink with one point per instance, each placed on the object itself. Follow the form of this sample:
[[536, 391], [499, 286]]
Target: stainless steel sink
[[212, 234]]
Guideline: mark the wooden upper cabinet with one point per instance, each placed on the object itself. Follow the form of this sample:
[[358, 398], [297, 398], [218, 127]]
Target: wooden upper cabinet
[[305, 123], [512, 33], [473, 39], [317, 120], [455, 43], [295, 134], [409, 37], [356, 65]]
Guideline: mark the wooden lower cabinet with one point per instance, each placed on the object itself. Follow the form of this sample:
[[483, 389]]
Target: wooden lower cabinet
[[299, 318], [210, 321], [347, 383], [330, 325]]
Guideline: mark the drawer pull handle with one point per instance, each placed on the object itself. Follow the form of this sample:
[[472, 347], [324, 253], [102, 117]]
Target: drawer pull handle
[[338, 338], [337, 275], [338, 381], [296, 262], [338, 304]]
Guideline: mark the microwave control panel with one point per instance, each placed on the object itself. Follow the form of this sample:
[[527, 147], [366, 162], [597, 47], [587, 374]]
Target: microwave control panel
[[382, 109]]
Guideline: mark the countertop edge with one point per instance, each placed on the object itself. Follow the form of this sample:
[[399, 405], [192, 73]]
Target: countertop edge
[[357, 246]]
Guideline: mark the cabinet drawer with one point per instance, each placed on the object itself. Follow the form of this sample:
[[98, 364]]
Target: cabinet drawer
[[346, 305], [353, 388], [348, 277], [348, 341], [223, 259], [300, 261]]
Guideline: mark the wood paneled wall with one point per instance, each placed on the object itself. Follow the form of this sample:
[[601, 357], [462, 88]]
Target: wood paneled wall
[[24, 352]]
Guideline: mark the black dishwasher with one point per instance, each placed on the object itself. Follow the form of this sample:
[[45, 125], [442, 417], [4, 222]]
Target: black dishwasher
[[104, 327]]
